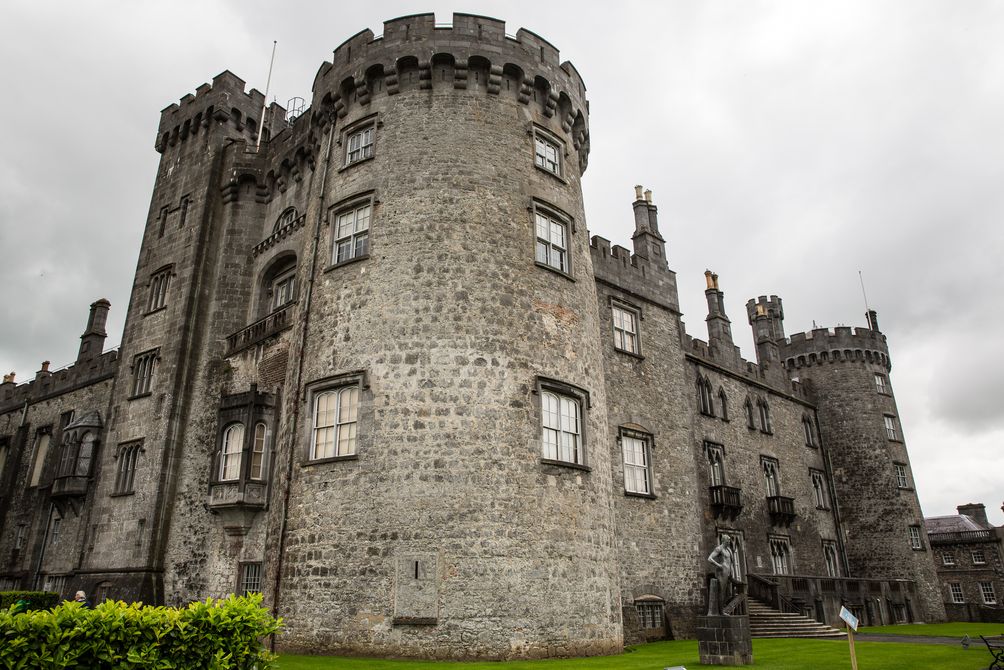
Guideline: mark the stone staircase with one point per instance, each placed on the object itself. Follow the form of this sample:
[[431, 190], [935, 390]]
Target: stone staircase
[[766, 621]]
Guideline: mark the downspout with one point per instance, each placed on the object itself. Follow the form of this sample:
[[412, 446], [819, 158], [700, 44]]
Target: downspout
[[41, 553], [299, 375], [828, 469]]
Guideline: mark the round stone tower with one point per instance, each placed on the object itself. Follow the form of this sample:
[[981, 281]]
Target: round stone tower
[[847, 371], [471, 516]]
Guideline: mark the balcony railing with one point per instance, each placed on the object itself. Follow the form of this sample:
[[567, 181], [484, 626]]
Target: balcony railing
[[726, 501], [781, 510], [260, 330], [962, 536]]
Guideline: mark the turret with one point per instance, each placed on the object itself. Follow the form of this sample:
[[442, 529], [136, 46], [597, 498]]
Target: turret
[[648, 242], [719, 326], [93, 339], [767, 319]]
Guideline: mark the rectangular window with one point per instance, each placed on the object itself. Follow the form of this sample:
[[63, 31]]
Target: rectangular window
[[819, 491], [22, 531], [336, 415], [125, 467], [637, 467], [561, 429], [547, 154], [957, 596], [359, 145], [650, 614], [258, 451], [142, 373], [184, 212], [351, 233], [947, 558], [158, 289], [891, 431], [54, 529], [283, 289], [979, 558], [987, 591], [915, 541], [41, 452], [552, 241], [625, 329], [881, 384], [54, 584], [250, 578], [902, 479]]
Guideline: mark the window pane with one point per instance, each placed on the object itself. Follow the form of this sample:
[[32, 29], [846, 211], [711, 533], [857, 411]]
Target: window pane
[[543, 230], [346, 223], [557, 234], [557, 259], [542, 252], [362, 218], [361, 244], [549, 438], [549, 411], [348, 402]]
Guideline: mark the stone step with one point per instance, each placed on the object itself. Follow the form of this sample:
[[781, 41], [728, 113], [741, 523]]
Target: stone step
[[765, 621]]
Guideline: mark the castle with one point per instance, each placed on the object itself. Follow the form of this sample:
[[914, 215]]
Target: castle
[[377, 370]]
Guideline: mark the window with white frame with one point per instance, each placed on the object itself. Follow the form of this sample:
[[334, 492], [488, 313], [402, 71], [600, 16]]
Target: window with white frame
[[351, 233], [780, 555], [915, 540], [359, 145], [125, 467], [230, 454], [902, 478], [947, 558], [881, 384], [625, 329], [561, 427], [552, 240], [159, 283], [819, 491], [987, 591], [335, 427], [258, 451], [142, 372], [715, 453], [283, 289], [547, 153], [637, 464], [891, 431], [830, 558], [978, 557], [250, 579], [956, 590]]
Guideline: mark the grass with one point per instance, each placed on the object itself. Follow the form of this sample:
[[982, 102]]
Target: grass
[[954, 629], [777, 654]]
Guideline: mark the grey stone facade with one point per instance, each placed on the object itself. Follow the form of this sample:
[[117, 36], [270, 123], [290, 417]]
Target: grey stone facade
[[413, 249], [966, 549]]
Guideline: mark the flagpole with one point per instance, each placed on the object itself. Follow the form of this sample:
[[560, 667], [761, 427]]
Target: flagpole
[[264, 105]]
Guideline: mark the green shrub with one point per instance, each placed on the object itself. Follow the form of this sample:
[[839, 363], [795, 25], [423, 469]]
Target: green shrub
[[33, 600], [220, 635]]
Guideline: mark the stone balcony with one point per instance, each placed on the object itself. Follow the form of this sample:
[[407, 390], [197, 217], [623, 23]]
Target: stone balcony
[[69, 486], [726, 501], [781, 510], [260, 330]]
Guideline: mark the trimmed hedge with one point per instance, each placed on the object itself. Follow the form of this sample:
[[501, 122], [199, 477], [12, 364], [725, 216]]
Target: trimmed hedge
[[220, 635], [33, 600]]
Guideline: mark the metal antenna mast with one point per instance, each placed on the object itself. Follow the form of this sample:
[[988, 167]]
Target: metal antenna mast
[[865, 295], [264, 105]]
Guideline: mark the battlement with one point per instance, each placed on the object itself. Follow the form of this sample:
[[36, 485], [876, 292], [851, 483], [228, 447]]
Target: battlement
[[764, 306], [616, 265], [735, 363], [832, 345], [224, 101], [473, 51], [48, 384]]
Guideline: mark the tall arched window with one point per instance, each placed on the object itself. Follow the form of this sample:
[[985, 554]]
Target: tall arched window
[[230, 460], [750, 421], [723, 402], [258, 451], [85, 455]]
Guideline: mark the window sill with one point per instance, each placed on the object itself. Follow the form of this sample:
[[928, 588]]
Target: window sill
[[350, 261], [636, 494], [767, 432], [707, 415], [332, 459], [554, 270], [904, 488], [632, 354], [566, 464], [140, 395], [552, 175], [123, 494], [357, 162], [154, 311], [919, 548], [415, 621]]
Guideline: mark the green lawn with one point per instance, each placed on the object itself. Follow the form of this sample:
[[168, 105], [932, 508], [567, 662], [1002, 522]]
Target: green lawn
[[954, 629], [774, 654]]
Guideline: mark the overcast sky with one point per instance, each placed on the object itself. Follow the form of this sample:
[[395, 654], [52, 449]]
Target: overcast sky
[[789, 145]]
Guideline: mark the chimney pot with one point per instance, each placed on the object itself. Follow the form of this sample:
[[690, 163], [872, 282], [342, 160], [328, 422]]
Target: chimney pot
[[637, 192], [648, 197], [45, 366]]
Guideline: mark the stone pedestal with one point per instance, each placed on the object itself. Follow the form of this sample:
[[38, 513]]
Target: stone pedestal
[[724, 640]]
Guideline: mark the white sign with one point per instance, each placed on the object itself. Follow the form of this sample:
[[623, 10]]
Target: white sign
[[849, 619]]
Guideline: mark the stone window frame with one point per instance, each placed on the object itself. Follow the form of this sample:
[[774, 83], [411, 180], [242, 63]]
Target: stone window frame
[[159, 285], [988, 593], [650, 609], [250, 574], [902, 475], [183, 206], [771, 465], [820, 493], [126, 458], [882, 384], [810, 432], [581, 398], [75, 460], [354, 204], [738, 538], [39, 455], [635, 313], [705, 393], [782, 545], [355, 378], [916, 539], [763, 409], [553, 215], [948, 559], [892, 431], [723, 403], [20, 535], [955, 590], [543, 136], [750, 415], [714, 455], [647, 442], [143, 368], [830, 549], [982, 557], [359, 128]]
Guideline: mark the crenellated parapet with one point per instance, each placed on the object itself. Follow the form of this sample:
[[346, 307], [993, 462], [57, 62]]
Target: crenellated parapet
[[48, 384], [648, 279], [474, 52], [823, 346], [222, 102], [732, 362]]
